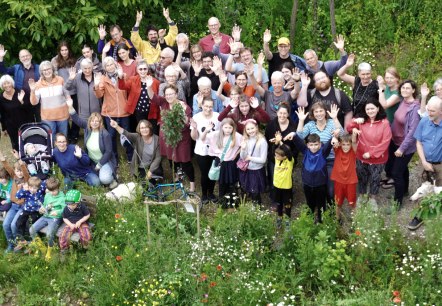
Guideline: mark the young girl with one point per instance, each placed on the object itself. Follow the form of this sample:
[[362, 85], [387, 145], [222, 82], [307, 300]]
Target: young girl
[[20, 175], [282, 179], [225, 140], [254, 150]]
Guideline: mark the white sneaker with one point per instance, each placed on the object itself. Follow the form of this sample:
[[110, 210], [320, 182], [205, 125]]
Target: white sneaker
[[113, 185]]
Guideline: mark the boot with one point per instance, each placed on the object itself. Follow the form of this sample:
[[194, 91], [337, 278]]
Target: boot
[[39, 244], [48, 253]]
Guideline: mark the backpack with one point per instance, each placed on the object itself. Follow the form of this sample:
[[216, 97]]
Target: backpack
[[337, 95]]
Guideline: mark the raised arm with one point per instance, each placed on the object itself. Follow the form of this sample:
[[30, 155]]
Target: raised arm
[[265, 46], [261, 91], [302, 97], [386, 103], [342, 73], [425, 92]]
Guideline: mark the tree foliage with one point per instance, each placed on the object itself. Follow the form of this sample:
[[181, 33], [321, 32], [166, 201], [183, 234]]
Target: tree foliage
[[403, 33]]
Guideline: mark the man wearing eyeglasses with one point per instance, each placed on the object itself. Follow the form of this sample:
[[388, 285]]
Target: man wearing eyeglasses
[[117, 38], [208, 41], [157, 39]]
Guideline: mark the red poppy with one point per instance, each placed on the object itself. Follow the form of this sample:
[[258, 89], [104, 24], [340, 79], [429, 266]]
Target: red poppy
[[396, 293], [118, 258], [117, 216], [219, 268], [397, 300], [358, 233], [212, 284]]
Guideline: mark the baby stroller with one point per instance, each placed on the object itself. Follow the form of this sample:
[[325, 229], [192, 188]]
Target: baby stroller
[[39, 134]]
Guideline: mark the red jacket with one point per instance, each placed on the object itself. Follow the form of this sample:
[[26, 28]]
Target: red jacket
[[374, 138], [133, 87]]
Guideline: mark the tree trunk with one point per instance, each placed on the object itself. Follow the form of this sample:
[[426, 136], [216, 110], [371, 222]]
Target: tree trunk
[[332, 19], [315, 23], [293, 21]]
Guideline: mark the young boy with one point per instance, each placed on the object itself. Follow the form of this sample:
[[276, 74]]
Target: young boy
[[33, 192], [282, 180], [75, 215], [19, 174], [52, 208], [314, 172], [344, 172]]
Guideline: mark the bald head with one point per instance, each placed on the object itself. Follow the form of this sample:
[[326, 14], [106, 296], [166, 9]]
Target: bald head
[[213, 24], [434, 109]]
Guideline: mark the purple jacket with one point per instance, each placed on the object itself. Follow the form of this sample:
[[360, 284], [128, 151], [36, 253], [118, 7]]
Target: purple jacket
[[408, 145]]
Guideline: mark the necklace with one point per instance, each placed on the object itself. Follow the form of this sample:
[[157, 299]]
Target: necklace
[[363, 95]]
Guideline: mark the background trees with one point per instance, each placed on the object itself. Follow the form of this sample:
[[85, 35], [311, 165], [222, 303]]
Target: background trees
[[404, 33]]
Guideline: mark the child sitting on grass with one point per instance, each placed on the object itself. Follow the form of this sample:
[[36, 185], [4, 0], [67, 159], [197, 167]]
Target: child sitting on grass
[[19, 174], [33, 192], [344, 172], [282, 180], [75, 216], [53, 205]]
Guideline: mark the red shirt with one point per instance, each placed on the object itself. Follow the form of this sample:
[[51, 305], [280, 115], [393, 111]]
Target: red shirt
[[207, 43], [344, 168]]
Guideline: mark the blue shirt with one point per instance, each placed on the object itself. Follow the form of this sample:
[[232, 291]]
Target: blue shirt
[[218, 106], [429, 135], [33, 201]]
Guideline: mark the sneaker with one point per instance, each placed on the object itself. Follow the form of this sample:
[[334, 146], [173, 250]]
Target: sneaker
[[9, 249], [204, 200], [287, 225], [414, 224], [113, 185], [20, 246], [278, 223]]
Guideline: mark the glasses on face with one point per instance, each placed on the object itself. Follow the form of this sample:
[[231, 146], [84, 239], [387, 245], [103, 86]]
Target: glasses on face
[[116, 34], [207, 62], [142, 69], [164, 57], [170, 94], [47, 69]]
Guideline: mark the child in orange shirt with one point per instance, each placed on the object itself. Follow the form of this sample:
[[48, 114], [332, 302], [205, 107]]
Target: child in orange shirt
[[344, 172]]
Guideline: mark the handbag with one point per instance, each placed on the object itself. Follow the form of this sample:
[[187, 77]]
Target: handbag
[[242, 164], [216, 169]]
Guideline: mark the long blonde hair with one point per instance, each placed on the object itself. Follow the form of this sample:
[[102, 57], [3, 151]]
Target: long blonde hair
[[259, 135], [219, 141]]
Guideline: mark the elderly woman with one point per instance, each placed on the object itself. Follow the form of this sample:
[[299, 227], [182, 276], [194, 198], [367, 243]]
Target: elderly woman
[[364, 87], [83, 84], [147, 158], [181, 155], [12, 111], [138, 102], [114, 101], [51, 95], [74, 163], [372, 152], [175, 76], [97, 145], [425, 92], [206, 92]]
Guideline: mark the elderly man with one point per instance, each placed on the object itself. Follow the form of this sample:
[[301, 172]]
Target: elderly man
[[208, 41], [117, 38], [276, 59], [150, 50], [157, 69], [22, 73], [428, 136], [330, 67], [324, 92]]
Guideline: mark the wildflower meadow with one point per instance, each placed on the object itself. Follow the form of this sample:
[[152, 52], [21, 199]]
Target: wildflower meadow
[[239, 259]]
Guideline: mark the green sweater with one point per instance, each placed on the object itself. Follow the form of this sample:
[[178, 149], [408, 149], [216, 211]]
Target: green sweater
[[54, 204]]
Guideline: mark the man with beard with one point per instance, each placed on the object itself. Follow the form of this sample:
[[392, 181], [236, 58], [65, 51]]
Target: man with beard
[[22, 74], [150, 50], [276, 59], [329, 67], [208, 41], [328, 95]]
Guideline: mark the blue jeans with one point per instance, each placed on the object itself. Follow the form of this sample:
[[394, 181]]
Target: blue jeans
[[9, 226], [330, 183], [58, 127], [91, 179], [124, 123], [51, 223]]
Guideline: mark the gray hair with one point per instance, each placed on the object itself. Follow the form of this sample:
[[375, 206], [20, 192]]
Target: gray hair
[[204, 81], [109, 60], [310, 51], [364, 66], [45, 65], [170, 70], [182, 36], [169, 52], [437, 83], [277, 76], [86, 62], [142, 63], [6, 78]]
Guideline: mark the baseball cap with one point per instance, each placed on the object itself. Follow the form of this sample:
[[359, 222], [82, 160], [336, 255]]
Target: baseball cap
[[73, 196], [283, 41]]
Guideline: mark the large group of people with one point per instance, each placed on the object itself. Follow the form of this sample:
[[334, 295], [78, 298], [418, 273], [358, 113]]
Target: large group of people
[[245, 121]]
